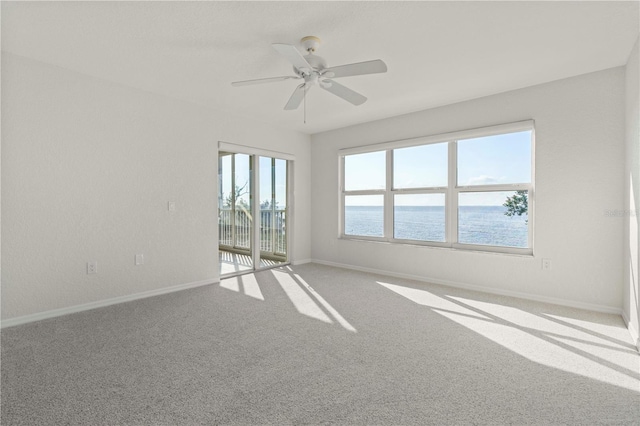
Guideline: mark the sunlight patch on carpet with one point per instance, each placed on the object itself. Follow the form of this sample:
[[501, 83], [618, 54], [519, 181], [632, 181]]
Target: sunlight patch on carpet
[[576, 346], [300, 299], [343, 322]]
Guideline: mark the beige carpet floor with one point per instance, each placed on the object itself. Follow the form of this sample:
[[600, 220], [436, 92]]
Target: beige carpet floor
[[320, 345]]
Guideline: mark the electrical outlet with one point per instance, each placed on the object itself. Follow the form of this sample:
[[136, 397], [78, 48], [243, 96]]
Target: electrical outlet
[[92, 267], [139, 259], [546, 264], [171, 205]]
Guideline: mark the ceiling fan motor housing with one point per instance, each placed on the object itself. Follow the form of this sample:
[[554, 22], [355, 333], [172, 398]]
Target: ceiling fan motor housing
[[310, 44], [317, 62]]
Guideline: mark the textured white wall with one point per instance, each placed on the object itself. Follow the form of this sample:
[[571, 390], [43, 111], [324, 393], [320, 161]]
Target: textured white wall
[[88, 167], [579, 176], [631, 246]]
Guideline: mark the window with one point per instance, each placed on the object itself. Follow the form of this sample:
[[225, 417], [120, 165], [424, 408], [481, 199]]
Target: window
[[365, 181], [492, 171], [419, 192], [471, 189]]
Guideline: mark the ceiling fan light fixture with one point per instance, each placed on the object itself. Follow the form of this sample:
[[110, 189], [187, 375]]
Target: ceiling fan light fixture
[[310, 43]]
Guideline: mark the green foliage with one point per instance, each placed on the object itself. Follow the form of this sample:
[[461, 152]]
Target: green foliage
[[518, 204]]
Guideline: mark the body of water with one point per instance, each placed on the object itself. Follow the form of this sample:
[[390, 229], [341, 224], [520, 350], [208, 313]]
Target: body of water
[[486, 225]]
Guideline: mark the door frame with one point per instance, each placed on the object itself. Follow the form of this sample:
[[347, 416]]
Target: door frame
[[255, 153]]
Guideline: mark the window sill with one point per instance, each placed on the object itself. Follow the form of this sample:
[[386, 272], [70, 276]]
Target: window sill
[[462, 248]]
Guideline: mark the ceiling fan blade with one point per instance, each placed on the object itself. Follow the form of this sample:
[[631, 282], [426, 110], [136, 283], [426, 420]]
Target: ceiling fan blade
[[296, 97], [360, 68], [343, 92], [263, 80], [293, 55]]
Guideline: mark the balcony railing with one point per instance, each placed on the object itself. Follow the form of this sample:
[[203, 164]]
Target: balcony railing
[[235, 230]]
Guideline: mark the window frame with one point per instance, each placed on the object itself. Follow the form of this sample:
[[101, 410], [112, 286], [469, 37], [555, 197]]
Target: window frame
[[451, 191], [344, 194]]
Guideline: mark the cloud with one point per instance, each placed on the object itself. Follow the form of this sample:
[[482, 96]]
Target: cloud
[[483, 180]]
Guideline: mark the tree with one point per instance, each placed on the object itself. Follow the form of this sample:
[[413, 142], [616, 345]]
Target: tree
[[266, 205], [518, 204], [239, 191]]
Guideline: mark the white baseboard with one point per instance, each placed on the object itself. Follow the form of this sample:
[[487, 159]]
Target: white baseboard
[[635, 336], [301, 262], [492, 290], [11, 322]]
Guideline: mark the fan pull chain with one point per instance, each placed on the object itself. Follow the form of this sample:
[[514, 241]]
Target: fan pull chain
[[304, 98]]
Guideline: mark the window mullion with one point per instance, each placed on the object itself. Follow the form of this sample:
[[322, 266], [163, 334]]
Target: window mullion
[[451, 201], [365, 192], [342, 195], [434, 190], [388, 197], [495, 187]]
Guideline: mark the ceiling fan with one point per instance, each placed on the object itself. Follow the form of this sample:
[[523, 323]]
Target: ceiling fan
[[313, 70]]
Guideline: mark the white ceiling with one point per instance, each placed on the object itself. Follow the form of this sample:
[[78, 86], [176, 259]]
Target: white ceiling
[[437, 53]]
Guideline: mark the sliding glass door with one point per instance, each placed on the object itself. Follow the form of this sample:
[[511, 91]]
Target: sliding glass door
[[273, 211], [246, 244], [234, 212]]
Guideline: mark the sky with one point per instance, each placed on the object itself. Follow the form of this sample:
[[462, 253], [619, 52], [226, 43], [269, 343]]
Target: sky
[[500, 159], [243, 177]]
